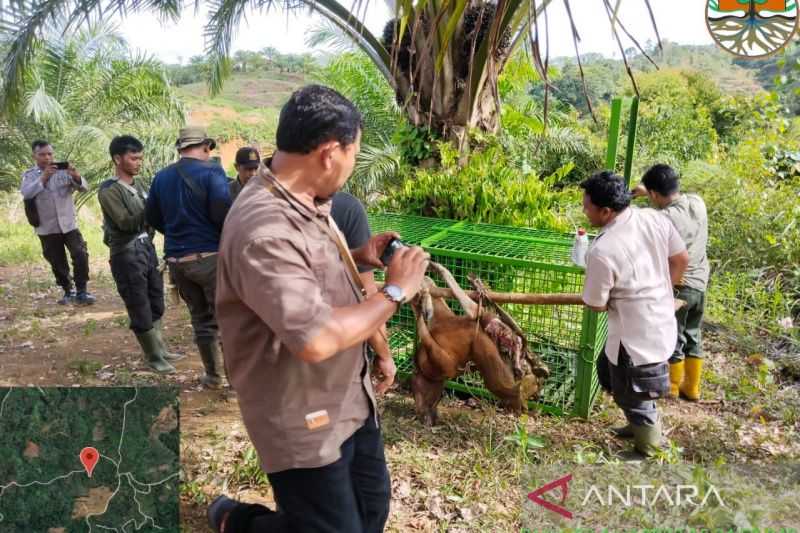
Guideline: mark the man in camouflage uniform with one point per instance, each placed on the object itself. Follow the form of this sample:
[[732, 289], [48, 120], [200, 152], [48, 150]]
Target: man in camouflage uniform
[[246, 165], [134, 264]]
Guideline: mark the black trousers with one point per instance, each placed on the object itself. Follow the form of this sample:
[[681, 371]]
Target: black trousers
[[197, 285], [351, 495], [139, 284], [53, 249], [634, 388]]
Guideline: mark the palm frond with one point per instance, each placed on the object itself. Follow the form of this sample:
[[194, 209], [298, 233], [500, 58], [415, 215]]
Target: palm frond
[[564, 141], [326, 33], [343, 19], [225, 17], [25, 22], [612, 19], [23, 26], [355, 76], [575, 39], [376, 167], [44, 109]]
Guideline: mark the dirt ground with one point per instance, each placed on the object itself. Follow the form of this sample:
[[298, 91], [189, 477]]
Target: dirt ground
[[460, 476]]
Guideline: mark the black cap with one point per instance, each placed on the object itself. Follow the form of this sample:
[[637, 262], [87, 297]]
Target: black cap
[[247, 157]]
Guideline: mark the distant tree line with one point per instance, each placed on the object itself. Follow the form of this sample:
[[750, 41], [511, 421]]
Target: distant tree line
[[268, 59], [605, 77]]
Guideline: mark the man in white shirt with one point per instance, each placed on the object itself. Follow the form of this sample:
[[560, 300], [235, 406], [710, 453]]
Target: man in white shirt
[[631, 268]]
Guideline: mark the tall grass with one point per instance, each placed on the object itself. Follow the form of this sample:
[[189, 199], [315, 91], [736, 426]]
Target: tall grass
[[20, 243]]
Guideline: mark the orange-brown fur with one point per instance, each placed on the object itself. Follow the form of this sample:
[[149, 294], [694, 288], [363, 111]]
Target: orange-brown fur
[[444, 352]]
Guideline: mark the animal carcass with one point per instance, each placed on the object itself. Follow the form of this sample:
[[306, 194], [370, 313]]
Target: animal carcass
[[449, 343]]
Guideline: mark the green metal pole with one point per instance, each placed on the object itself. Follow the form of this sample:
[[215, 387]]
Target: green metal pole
[[631, 140], [613, 133], [585, 369]]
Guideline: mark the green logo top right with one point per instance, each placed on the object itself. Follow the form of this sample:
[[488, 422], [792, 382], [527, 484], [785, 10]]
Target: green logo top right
[[752, 29]]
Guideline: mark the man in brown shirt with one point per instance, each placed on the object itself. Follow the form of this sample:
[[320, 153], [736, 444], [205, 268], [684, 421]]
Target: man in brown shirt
[[294, 324]]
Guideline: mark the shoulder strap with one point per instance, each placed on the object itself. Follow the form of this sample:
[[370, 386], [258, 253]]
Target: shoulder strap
[[195, 189], [106, 184], [333, 232]]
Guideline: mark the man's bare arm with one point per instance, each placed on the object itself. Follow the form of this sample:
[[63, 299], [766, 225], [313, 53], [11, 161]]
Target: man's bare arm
[[353, 324], [678, 264], [378, 340], [347, 327]]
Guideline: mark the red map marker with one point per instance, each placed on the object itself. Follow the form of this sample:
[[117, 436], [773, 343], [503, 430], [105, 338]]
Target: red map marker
[[89, 457]]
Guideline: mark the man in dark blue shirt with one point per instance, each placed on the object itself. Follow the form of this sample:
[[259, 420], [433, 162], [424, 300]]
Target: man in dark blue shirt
[[351, 218], [188, 203]]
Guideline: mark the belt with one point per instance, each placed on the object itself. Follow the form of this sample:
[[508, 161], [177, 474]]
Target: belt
[[190, 257]]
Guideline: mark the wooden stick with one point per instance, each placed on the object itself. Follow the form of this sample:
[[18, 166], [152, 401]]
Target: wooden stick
[[523, 298], [513, 297], [516, 297]]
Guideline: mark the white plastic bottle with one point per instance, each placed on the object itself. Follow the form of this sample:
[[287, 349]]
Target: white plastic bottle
[[580, 247]]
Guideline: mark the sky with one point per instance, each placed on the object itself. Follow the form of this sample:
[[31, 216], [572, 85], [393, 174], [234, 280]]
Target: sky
[[681, 21]]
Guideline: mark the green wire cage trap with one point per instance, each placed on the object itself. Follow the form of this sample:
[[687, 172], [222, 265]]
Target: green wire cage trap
[[507, 259]]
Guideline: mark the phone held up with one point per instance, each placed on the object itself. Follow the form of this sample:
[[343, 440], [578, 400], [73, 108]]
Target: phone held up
[[391, 248], [62, 165]]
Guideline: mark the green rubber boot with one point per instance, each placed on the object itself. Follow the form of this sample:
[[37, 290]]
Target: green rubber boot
[[647, 439], [624, 432], [158, 326], [153, 352], [212, 362]]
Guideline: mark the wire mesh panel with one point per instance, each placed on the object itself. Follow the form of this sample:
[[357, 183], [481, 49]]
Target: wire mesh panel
[[507, 259], [412, 230]]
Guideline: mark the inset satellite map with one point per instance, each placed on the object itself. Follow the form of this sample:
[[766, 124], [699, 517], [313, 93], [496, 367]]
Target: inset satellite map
[[89, 459]]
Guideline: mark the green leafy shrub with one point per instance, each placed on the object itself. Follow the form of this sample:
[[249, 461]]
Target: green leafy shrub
[[416, 144], [782, 162], [486, 189], [754, 238]]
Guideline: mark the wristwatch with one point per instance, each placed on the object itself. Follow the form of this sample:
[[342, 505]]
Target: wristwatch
[[394, 294]]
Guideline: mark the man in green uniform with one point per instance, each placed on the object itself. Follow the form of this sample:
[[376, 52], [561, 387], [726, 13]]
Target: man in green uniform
[[688, 214], [134, 264], [246, 165]]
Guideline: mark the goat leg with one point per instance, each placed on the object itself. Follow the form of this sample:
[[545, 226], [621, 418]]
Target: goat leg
[[470, 307]]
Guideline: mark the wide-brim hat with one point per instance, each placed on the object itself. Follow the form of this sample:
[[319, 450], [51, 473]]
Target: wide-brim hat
[[192, 135]]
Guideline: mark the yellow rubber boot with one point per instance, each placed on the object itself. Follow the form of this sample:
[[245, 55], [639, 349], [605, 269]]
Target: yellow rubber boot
[[675, 378], [690, 388]]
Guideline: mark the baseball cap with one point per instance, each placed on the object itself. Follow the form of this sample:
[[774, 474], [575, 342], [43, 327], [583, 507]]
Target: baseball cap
[[247, 157]]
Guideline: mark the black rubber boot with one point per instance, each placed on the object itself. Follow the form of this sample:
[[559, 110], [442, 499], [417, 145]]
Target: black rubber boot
[[212, 362]]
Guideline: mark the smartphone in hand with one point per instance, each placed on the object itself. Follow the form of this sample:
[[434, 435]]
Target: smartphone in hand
[[62, 165], [391, 248]]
